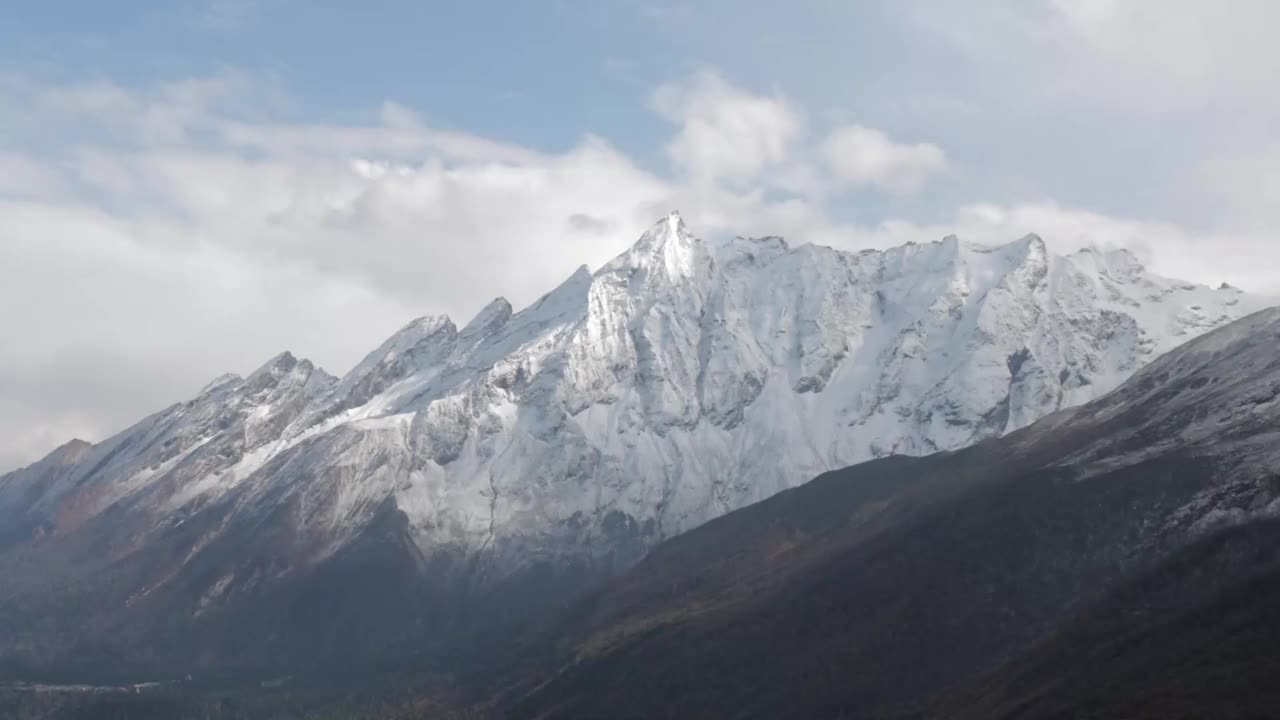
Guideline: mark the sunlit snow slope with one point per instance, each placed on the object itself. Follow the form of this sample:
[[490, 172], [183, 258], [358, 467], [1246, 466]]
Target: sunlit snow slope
[[680, 381]]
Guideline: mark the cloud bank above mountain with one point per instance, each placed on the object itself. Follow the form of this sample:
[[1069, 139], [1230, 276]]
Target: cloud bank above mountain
[[154, 235]]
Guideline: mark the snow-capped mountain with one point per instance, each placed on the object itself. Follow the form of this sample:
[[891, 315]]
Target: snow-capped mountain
[[1132, 539], [680, 381]]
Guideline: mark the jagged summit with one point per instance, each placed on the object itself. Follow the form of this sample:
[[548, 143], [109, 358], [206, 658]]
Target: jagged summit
[[680, 381], [219, 382], [282, 363], [679, 349], [69, 452], [669, 229], [497, 312], [668, 248]]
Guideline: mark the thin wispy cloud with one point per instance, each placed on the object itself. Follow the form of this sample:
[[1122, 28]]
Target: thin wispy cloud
[[228, 15]]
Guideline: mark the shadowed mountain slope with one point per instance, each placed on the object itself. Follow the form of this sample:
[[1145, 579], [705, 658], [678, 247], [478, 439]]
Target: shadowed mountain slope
[[871, 590], [1196, 637]]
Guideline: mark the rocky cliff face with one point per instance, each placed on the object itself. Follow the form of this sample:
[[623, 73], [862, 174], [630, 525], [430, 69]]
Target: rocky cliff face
[[682, 380]]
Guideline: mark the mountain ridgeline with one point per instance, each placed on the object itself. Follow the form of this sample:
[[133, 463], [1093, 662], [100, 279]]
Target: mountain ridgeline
[[1112, 560], [459, 481]]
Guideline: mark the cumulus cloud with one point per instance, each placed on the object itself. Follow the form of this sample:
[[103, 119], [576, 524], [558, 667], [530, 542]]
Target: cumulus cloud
[[110, 318], [864, 156], [725, 133]]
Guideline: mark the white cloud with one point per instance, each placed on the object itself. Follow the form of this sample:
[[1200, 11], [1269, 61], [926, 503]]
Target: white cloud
[[1164, 108], [24, 176], [1141, 57], [109, 318], [209, 234], [863, 156], [725, 133], [1177, 51], [194, 229]]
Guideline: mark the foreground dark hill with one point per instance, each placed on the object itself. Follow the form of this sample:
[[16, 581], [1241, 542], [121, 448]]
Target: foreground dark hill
[[872, 590], [1196, 637]]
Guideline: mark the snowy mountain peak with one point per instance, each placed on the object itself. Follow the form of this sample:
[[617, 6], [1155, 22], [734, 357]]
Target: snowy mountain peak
[[1116, 263], [71, 451], [1121, 263], [682, 380], [222, 381], [284, 370], [497, 312], [276, 366], [1030, 245], [667, 250], [419, 346], [490, 319], [422, 327], [670, 229], [752, 251], [1032, 249], [418, 337]]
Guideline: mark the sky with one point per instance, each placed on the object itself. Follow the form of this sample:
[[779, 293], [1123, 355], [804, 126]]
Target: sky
[[188, 188]]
